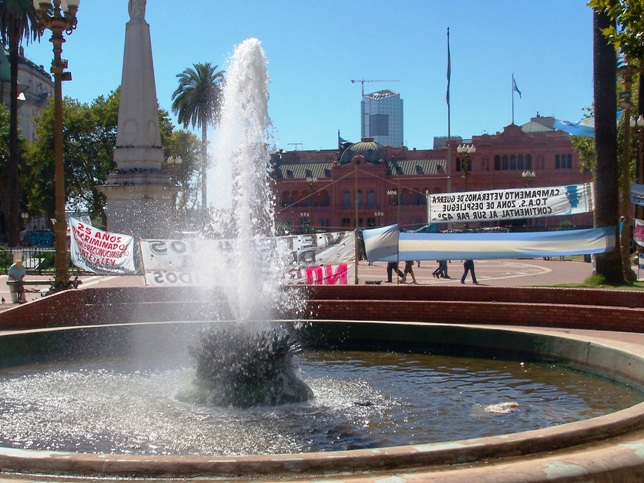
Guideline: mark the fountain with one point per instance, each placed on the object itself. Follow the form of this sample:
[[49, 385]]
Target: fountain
[[105, 369], [250, 363]]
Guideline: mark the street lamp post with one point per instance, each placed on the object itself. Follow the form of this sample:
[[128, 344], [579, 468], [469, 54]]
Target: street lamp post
[[467, 153], [638, 127], [174, 164], [312, 181], [627, 72], [378, 214], [528, 176], [51, 16], [394, 194]]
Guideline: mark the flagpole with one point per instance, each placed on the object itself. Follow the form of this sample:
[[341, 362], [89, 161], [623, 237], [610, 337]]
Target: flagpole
[[512, 88], [449, 120]]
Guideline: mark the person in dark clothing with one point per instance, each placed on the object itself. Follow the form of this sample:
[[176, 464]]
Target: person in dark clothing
[[393, 267], [441, 271], [468, 265]]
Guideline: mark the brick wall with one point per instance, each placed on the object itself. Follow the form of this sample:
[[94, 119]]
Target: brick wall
[[621, 310]]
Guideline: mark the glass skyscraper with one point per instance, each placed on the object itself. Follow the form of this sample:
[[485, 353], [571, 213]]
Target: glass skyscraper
[[382, 117]]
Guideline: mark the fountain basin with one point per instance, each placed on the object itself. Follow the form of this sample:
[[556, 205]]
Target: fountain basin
[[615, 440]]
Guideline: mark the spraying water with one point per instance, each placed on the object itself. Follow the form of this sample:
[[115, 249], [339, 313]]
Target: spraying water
[[250, 363], [241, 174]]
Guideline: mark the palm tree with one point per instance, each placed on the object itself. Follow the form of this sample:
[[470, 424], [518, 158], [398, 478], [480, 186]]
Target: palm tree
[[197, 101], [17, 21], [606, 169]]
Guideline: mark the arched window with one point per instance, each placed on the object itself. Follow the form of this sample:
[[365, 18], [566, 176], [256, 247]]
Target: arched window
[[505, 163], [497, 163], [520, 162], [325, 198], [371, 198], [557, 162], [569, 161], [513, 162], [346, 200], [360, 201], [528, 161]]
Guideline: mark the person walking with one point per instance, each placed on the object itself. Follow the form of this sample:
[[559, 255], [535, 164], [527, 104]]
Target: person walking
[[468, 265], [441, 271], [409, 269], [393, 267]]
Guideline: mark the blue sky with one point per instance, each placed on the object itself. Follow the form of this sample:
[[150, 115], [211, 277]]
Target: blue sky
[[315, 48]]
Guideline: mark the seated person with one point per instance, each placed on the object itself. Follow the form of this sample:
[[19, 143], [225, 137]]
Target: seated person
[[17, 273]]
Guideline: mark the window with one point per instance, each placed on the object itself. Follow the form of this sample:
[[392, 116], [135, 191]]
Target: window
[[497, 163], [513, 162], [504, 165], [520, 162], [346, 200], [371, 198]]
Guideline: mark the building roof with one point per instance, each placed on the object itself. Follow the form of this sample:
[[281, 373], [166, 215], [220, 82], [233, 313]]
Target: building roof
[[372, 151], [416, 167], [382, 94], [538, 124], [304, 170]]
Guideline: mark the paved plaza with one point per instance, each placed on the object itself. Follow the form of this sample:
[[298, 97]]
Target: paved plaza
[[498, 273]]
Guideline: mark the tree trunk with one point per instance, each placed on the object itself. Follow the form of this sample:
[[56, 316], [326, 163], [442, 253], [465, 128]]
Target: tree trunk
[[14, 155], [606, 170]]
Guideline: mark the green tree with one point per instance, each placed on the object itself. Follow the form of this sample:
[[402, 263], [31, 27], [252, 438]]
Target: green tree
[[197, 102], [606, 214], [18, 21], [89, 134], [623, 30], [185, 144]]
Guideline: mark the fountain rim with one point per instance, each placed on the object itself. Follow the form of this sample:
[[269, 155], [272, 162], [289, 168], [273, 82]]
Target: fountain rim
[[616, 425]]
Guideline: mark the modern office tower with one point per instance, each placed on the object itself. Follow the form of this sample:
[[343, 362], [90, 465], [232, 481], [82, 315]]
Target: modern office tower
[[382, 118]]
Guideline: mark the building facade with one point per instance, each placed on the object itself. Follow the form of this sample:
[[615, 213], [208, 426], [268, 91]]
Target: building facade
[[382, 118], [35, 88], [317, 190]]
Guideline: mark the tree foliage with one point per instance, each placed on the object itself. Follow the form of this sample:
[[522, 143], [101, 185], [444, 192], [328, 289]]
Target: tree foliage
[[197, 102], [18, 22], [89, 138], [626, 31]]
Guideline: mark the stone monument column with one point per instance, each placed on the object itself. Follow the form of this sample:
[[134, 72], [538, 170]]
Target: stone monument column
[[140, 192]]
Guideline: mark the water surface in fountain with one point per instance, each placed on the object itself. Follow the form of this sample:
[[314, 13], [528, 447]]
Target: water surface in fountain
[[362, 400]]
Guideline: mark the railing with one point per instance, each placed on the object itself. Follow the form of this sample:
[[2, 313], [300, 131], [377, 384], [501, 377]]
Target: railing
[[35, 260]]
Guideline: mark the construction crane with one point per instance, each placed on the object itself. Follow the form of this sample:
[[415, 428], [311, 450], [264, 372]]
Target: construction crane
[[362, 113]]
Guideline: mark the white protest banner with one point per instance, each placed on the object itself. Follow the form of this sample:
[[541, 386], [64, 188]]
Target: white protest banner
[[494, 205], [322, 258], [638, 231], [637, 194], [99, 251]]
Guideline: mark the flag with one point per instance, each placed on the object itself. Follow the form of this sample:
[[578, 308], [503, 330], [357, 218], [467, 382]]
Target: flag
[[340, 140], [514, 86], [584, 128], [449, 68]]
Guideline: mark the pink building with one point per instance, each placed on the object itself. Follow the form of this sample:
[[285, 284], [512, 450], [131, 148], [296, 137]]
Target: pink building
[[318, 189]]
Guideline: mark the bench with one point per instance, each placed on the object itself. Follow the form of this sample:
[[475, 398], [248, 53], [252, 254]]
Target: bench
[[29, 282], [14, 294]]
